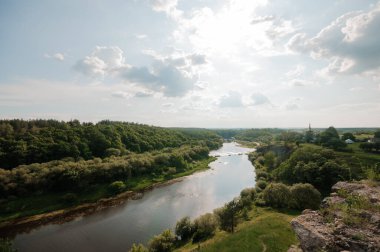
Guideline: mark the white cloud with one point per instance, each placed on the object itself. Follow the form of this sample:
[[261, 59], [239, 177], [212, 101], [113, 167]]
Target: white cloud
[[56, 56], [141, 36], [102, 61], [122, 94], [302, 83], [293, 103], [259, 99], [163, 5], [172, 75], [296, 72], [232, 99], [350, 43], [262, 19]]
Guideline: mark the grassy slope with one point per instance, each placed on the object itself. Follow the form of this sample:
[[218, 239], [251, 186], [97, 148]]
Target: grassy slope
[[267, 230], [32, 205]]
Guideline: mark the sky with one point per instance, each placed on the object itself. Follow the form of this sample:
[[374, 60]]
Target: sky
[[198, 63]]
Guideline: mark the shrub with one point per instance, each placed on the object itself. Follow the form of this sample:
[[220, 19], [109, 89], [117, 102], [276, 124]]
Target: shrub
[[248, 193], [204, 227], [6, 245], [304, 196], [112, 152], [69, 198], [261, 184], [276, 195], [184, 229], [163, 242], [262, 175], [116, 187], [138, 248]]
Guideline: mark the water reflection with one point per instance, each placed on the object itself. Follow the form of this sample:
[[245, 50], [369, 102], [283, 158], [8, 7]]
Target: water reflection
[[116, 229]]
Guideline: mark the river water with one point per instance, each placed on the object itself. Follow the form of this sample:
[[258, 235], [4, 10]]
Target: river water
[[117, 228]]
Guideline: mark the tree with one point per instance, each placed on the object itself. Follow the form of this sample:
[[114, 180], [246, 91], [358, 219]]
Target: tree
[[163, 242], [304, 196], [184, 228], [348, 135], [227, 215], [204, 227], [377, 134], [276, 195], [138, 248], [330, 138]]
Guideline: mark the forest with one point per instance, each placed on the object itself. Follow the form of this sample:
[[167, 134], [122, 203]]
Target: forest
[[38, 141]]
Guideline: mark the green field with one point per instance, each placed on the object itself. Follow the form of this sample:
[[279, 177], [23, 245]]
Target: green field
[[267, 230]]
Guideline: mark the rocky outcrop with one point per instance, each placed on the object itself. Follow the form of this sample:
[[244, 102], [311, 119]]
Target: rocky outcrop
[[349, 220]]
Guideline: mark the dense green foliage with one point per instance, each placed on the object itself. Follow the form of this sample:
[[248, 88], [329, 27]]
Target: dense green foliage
[[227, 215], [277, 195], [75, 176], [6, 245], [184, 229], [204, 227], [330, 138], [38, 141], [304, 196], [318, 167], [163, 242]]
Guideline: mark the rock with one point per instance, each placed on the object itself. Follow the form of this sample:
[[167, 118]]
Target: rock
[[339, 226]]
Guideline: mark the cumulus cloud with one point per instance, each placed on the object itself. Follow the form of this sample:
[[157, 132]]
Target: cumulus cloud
[[301, 83], [351, 43], [172, 75], [164, 78], [121, 94], [296, 72], [144, 94], [293, 103], [56, 56], [262, 19], [163, 5], [102, 61], [232, 99], [259, 99]]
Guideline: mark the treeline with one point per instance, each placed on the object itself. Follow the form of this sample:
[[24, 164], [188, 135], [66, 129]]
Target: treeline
[[38, 141], [72, 176]]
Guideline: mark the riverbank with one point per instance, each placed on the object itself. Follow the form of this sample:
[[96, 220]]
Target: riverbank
[[88, 203]]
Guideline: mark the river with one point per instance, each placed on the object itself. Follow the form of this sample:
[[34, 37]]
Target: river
[[117, 228]]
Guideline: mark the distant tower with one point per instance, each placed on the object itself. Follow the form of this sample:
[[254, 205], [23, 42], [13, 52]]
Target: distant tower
[[309, 135]]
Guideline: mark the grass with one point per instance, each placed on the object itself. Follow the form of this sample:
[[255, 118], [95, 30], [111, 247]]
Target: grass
[[48, 202], [267, 230]]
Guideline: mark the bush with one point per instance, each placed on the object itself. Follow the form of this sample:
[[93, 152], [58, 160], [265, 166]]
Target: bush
[[262, 175], [116, 187], [247, 196], [112, 152], [184, 229], [163, 242], [304, 196], [204, 227], [276, 195], [138, 248], [261, 184], [6, 245], [69, 198]]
